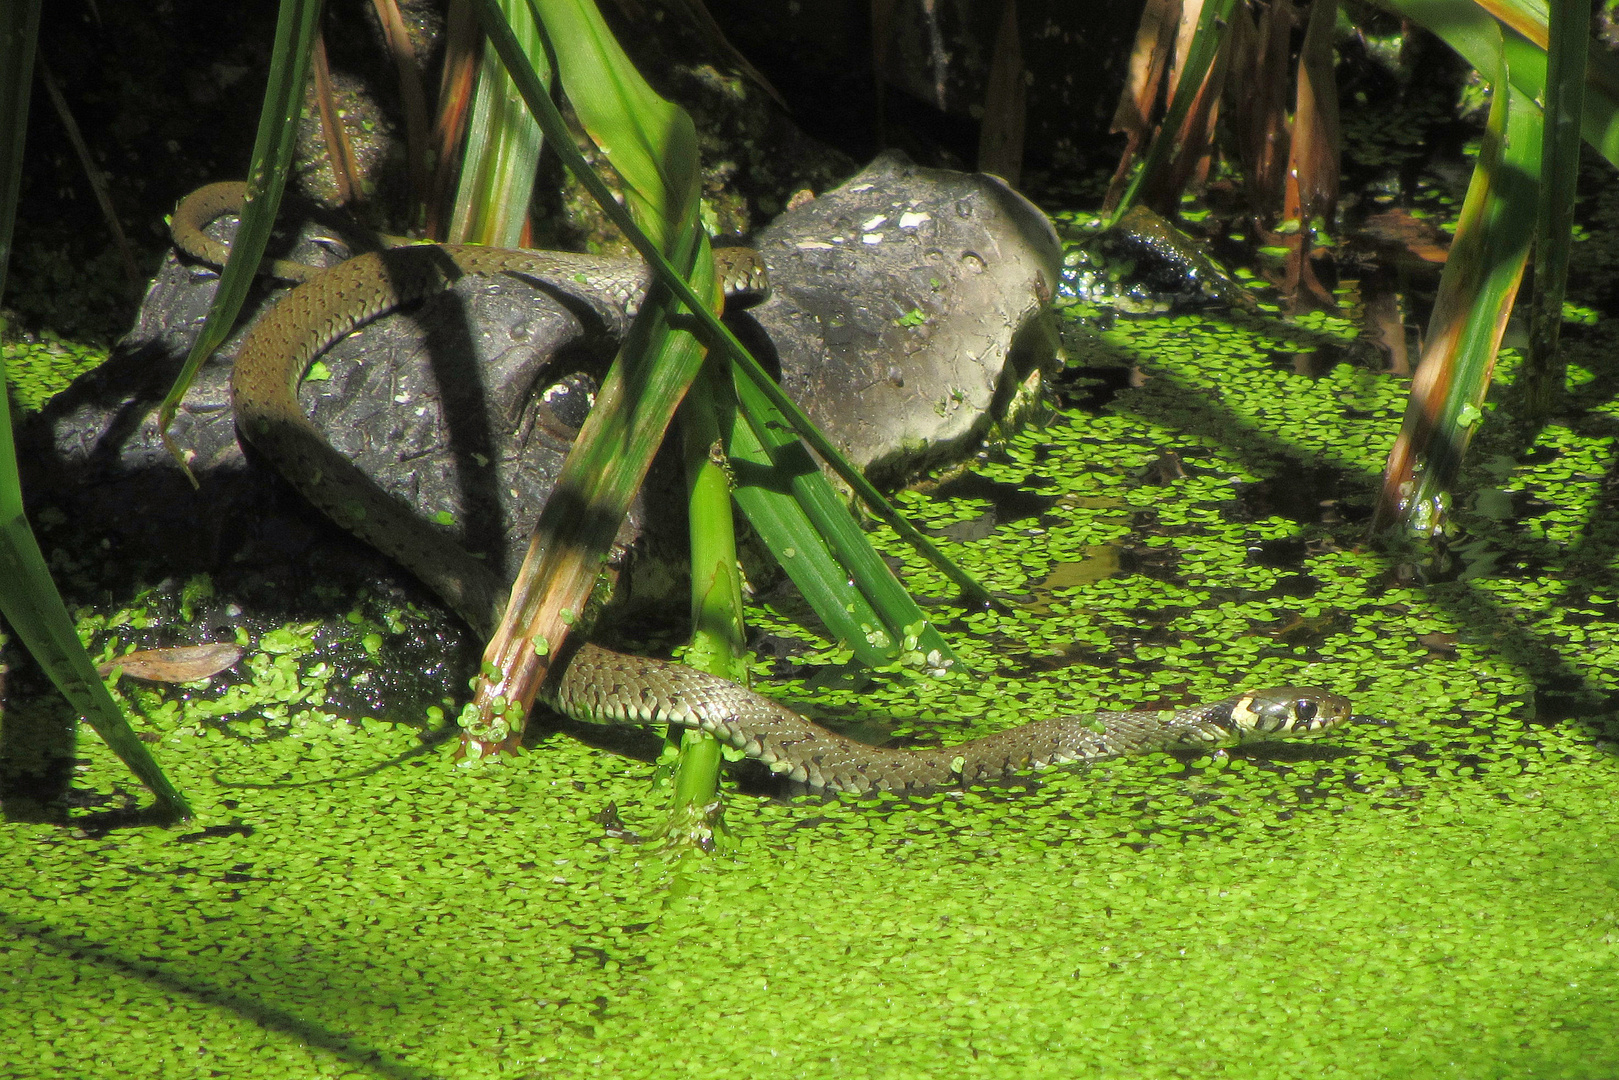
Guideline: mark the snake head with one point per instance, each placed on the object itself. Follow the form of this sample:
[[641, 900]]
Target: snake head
[[1288, 712]]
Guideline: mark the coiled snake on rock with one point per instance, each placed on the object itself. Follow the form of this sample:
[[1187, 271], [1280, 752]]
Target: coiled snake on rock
[[598, 685]]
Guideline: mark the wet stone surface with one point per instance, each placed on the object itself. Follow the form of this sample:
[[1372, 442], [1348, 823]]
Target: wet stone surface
[[898, 299]]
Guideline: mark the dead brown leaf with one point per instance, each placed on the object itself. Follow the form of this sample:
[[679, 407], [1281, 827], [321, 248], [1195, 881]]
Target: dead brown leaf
[[180, 664]]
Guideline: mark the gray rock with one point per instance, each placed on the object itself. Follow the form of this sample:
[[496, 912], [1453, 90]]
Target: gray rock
[[906, 308], [898, 300]]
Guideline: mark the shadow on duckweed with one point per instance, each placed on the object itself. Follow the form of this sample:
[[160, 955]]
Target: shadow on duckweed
[[213, 994]]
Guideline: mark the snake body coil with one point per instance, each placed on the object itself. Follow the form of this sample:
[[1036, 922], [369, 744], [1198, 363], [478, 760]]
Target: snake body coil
[[598, 685]]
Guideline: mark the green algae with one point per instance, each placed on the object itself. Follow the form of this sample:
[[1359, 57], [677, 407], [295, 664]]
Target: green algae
[[1435, 895], [38, 366]]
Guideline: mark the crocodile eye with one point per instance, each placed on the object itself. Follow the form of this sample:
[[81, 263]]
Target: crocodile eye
[[1305, 710]]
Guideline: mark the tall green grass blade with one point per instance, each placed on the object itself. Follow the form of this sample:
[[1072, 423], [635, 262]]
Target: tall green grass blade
[[766, 497], [1544, 372], [714, 331], [33, 608], [717, 642], [658, 146], [576, 528], [1468, 29], [295, 30], [1465, 27], [1212, 27], [503, 145], [28, 598], [755, 376], [1475, 298], [651, 161], [652, 144], [716, 580], [19, 31], [1599, 119], [643, 136], [900, 631]]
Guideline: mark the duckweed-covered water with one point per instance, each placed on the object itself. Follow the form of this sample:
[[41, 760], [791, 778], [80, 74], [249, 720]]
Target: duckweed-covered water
[[1434, 895]]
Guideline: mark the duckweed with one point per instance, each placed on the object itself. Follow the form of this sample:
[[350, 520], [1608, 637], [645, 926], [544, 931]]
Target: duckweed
[[1429, 895], [37, 366]]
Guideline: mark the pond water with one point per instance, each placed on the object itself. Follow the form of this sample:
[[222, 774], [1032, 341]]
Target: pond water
[[1435, 894]]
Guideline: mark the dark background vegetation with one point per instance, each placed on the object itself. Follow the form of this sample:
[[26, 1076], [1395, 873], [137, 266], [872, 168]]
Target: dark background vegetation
[[166, 94]]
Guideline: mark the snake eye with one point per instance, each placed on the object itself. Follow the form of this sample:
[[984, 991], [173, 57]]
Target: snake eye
[[1305, 710]]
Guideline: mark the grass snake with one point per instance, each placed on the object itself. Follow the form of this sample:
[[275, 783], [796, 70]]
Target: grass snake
[[597, 685]]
